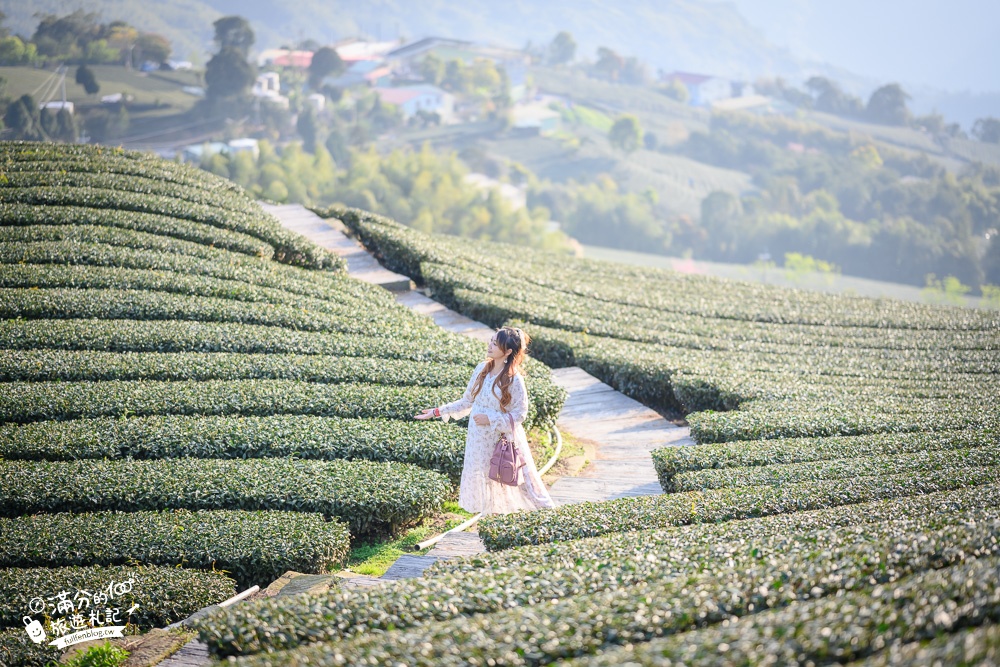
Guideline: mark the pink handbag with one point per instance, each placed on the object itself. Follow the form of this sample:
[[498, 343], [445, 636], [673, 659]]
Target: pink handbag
[[507, 461]]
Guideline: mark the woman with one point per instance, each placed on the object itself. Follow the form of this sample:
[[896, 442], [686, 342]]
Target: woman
[[505, 396]]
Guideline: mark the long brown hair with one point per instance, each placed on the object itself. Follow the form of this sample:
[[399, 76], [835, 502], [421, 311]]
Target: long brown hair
[[516, 342]]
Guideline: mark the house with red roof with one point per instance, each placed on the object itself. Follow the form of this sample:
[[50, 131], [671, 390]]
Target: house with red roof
[[285, 58]]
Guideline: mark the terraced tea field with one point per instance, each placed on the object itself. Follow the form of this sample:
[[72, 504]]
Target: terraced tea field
[[196, 398], [843, 506]]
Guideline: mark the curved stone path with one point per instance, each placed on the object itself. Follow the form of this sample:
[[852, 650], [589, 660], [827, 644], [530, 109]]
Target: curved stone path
[[623, 431]]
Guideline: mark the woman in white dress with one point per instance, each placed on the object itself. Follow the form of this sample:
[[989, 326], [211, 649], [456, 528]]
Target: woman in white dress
[[506, 394]]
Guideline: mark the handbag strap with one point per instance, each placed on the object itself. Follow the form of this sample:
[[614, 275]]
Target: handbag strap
[[511, 418]]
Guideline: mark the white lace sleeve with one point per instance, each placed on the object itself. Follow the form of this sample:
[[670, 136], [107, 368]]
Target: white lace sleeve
[[461, 407]]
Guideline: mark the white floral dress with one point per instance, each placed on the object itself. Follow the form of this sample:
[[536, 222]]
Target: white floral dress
[[477, 492]]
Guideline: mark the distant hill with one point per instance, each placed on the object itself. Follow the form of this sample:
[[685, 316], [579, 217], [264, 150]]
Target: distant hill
[[672, 34], [694, 35]]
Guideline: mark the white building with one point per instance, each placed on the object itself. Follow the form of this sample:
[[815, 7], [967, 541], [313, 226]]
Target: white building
[[57, 106], [411, 99], [317, 101], [267, 84], [246, 145]]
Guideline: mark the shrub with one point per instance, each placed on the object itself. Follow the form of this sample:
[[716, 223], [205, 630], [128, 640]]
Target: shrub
[[673, 461], [253, 547], [612, 564], [165, 595], [428, 444], [366, 495], [570, 522]]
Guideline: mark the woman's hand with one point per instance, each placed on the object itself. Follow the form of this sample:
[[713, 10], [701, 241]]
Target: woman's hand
[[426, 414], [482, 420]]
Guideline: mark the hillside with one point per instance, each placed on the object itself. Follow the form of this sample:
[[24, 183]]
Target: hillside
[[185, 383], [842, 504], [672, 34]]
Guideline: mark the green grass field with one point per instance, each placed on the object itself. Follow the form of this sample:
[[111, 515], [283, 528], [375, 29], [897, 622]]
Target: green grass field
[[161, 89]]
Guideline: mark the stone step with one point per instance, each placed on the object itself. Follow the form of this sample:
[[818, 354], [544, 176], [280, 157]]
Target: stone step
[[454, 545], [360, 581], [408, 567], [192, 654]]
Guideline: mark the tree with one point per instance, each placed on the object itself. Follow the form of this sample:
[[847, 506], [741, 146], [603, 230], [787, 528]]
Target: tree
[[432, 69], [308, 129], [234, 32], [626, 134], [336, 145], [830, 98], [721, 215], [85, 77], [228, 74], [676, 90], [562, 49], [66, 36], [14, 52], [609, 64], [59, 126], [484, 74], [326, 62], [887, 105], [66, 128], [456, 76], [121, 38], [23, 118], [987, 130], [153, 47], [634, 71]]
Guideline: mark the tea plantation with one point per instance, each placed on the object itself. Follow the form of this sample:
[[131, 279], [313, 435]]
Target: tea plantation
[[193, 396], [842, 507]]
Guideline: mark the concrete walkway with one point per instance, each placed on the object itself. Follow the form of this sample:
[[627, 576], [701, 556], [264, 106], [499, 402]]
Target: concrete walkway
[[623, 430]]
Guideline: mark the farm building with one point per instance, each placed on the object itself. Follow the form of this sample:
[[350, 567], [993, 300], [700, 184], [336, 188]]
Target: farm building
[[411, 99], [361, 72]]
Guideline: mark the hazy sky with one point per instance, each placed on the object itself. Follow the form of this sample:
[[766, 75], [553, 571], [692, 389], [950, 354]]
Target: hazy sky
[[953, 44]]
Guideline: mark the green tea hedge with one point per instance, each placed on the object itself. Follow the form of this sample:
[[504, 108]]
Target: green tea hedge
[[796, 473], [547, 574], [17, 649], [571, 522], [368, 496], [550, 631], [842, 628], [51, 365], [36, 401], [429, 444], [673, 461], [289, 248], [165, 595], [129, 304], [191, 336], [252, 547]]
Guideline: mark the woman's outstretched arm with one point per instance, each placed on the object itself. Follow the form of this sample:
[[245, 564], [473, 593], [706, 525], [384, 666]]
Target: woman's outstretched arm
[[463, 406]]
